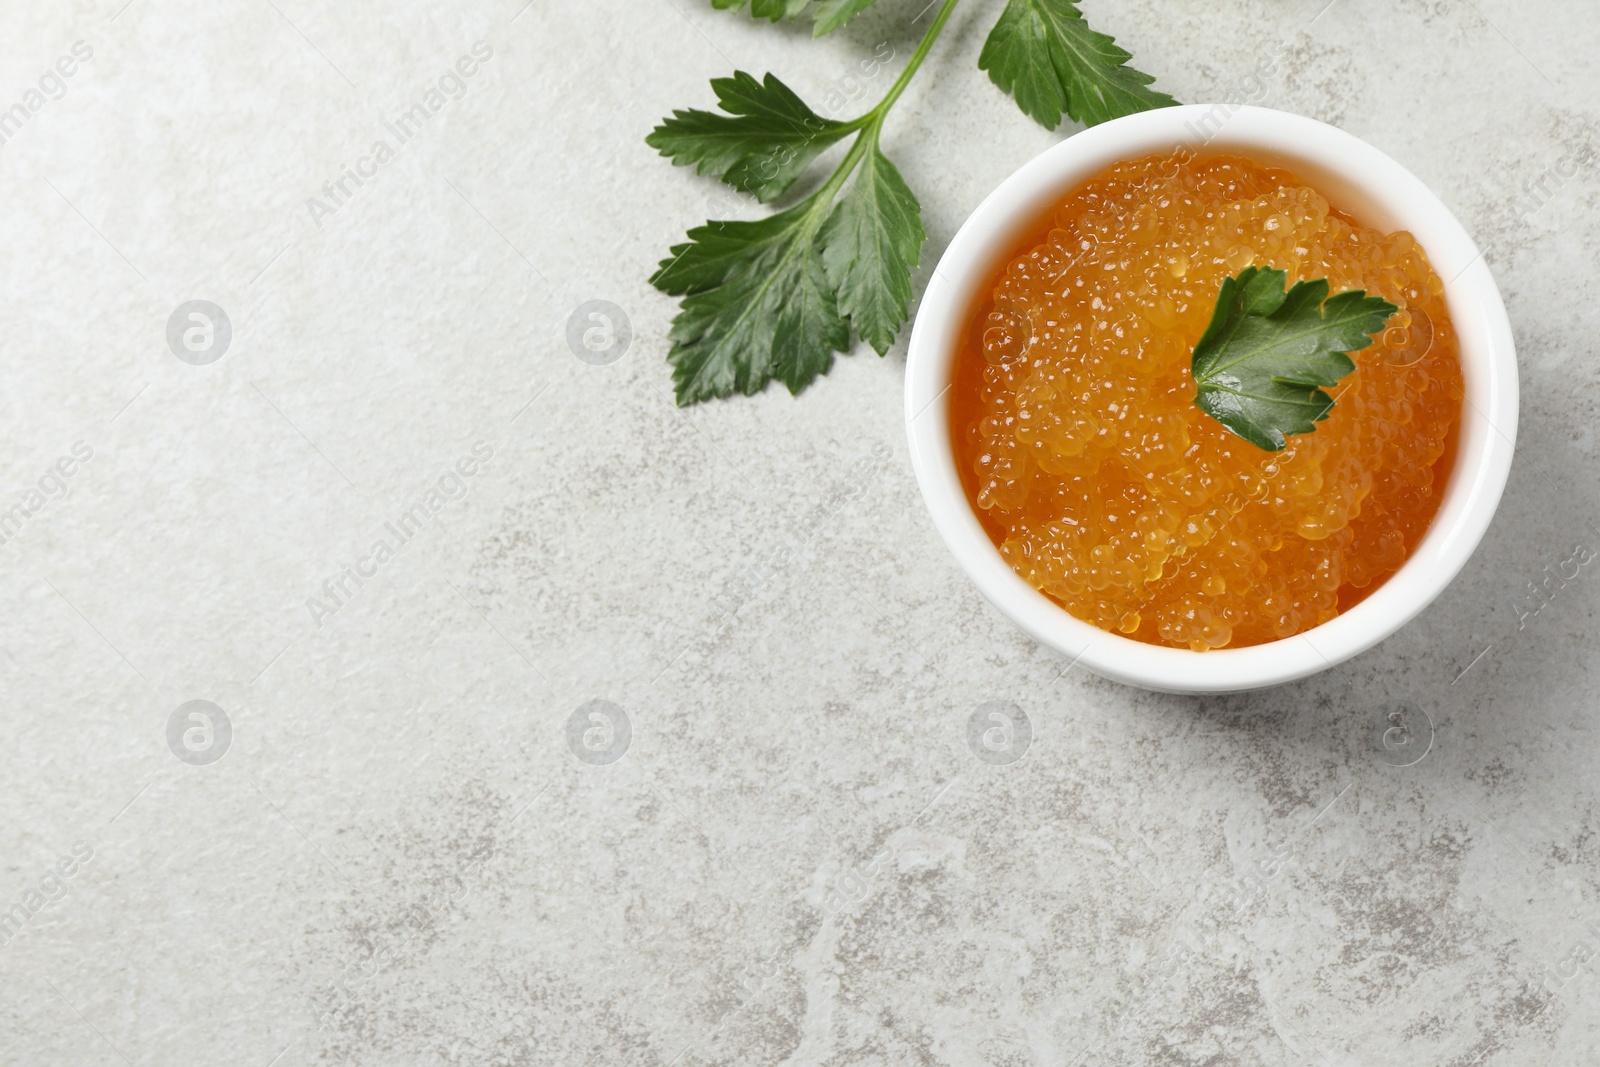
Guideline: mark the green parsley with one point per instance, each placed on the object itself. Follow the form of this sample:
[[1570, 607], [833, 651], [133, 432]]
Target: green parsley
[[767, 139], [775, 298], [1045, 55], [1266, 356]]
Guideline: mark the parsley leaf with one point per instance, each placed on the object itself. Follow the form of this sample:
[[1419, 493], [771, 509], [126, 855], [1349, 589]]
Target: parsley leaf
[[1043, 53], [871, 243], [757, 305], [765, 141], [1265, 355], [776, 297], [829, 15]]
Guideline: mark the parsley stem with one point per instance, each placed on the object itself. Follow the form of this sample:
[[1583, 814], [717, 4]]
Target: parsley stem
[[875, 116], [822, 199], [871, 123]]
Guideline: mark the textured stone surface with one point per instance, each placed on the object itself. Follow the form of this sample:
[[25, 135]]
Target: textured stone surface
[[798, 858]]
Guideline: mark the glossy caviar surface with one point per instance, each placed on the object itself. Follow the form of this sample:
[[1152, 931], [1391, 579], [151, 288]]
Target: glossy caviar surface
[[1101, 482]]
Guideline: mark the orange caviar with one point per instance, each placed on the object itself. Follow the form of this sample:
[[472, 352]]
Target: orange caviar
[[1105, 487]]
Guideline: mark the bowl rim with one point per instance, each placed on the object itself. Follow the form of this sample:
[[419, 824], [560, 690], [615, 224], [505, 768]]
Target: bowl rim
[[1354, 175]]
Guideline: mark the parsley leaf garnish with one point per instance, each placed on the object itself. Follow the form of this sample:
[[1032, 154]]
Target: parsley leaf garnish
[[1266, 354], [758, 306], [1043, 53], [775, 298], [767, 139], [870, 243]]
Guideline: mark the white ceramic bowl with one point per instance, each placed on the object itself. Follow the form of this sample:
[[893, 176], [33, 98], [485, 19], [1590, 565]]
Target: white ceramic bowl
[[1354, 176]]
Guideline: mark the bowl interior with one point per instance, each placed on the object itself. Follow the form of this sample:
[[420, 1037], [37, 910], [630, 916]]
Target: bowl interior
[[1352, 175]]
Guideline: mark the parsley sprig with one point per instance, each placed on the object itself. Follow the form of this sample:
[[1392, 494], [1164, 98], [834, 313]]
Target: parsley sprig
[[777, 297], [1266, 356]]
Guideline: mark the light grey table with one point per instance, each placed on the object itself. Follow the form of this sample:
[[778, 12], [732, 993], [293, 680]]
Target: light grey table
[[792, 855]]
